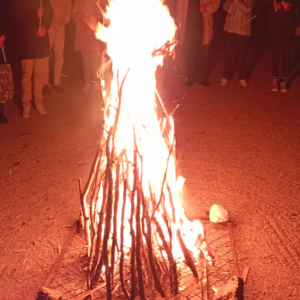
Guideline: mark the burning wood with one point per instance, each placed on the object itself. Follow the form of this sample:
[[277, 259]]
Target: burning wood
[[125, 226]]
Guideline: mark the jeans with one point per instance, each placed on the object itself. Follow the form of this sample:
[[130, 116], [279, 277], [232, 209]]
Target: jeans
[[57, 41], [32, 68], [232, 41], [196, 56], [281, 32]]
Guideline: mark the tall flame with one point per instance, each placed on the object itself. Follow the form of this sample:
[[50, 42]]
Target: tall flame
[[137, 28]]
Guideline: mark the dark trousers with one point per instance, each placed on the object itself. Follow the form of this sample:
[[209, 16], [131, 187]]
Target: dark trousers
[[196, 57], [233, 41], [281, 32]]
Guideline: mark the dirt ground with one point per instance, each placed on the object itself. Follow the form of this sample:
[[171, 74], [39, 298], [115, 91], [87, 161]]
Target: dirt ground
[[238, 147]]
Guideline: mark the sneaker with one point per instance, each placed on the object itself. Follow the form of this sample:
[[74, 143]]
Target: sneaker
[[3, 120], [243, 82], [86, 86], [26, 112], [46, 90], [41, 109], [58, 89], [96, 86], [283, 87], [224, 81], [274, 85]]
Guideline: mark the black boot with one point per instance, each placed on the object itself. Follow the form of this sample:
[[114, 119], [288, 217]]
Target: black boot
[[3, 120]]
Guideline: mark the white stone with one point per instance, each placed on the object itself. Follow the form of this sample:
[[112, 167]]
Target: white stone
[[218, 214]]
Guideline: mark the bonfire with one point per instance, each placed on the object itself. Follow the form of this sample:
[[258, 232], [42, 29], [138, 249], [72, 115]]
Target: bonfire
[[135, 225]]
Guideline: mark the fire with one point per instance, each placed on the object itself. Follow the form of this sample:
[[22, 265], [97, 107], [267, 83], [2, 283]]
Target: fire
[[137, 28]]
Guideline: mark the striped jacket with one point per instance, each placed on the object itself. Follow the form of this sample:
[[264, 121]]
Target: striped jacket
[[239, 14]]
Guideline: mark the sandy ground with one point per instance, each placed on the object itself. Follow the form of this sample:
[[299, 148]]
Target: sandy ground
[[238, 147]]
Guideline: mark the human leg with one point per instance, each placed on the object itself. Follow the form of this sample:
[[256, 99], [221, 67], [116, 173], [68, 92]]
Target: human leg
[[52, 34], [59, 43], [230, 42], [27, 71], [87, 70], [242, 46], [38, 84], [191, 58], [203, 56]]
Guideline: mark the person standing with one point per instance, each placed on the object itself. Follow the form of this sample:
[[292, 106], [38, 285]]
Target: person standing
[[32, 19], [195, 23], [237, 33], [61, 17], [6, 79], [282, 23], [86, 14]]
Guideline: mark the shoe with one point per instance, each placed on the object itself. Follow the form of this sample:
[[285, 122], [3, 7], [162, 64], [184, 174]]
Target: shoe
[[46, 90], [190, 82], [224, 81], [283, 87], [204, 83], [41, 109], [3, 120], [58, 89], [96, 86], [274, 85], [26, 112], [243, 82], [86, 86]]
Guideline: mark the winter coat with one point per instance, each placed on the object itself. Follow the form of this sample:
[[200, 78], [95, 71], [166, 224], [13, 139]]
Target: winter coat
[[25, 23], [85, 39], [239, 13], [182, 8], [5, 29], [61, 12]]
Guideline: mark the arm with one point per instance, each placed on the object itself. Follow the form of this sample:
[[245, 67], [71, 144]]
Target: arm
[[68, 11], [245, 7], [212, 6], [48, 14], [227, 4]]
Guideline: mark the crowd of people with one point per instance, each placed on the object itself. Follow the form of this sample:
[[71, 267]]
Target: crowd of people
[[31, 29], [196, 31]]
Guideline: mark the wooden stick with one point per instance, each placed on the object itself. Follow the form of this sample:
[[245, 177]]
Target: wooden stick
[[108, 216], [4, 56], [114, 238], [165, 176], [122, 243], [147, 235], [173, 270], [40, 25], [235, 262], [186, 253], [138, 248], [133, 248], [90, 292]]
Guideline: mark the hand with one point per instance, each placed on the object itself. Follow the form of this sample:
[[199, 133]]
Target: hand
[[42, 32], [286, 5], [106, 22], [2, 39], [40, 12], [277, 6], [202, 8], [297, 31]]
